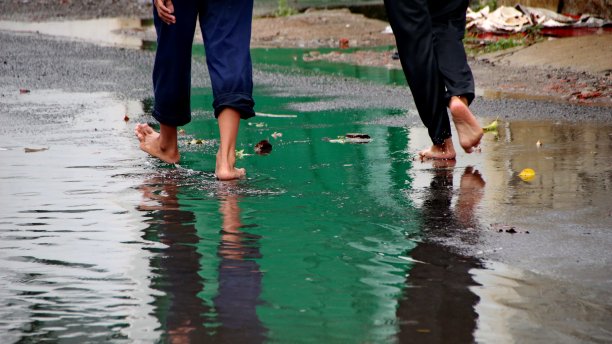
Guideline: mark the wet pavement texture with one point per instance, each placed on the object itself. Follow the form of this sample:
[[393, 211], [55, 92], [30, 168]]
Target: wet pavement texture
[[324, 242]]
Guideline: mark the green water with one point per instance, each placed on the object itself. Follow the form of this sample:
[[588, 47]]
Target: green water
[[323, 228], [290, 60]]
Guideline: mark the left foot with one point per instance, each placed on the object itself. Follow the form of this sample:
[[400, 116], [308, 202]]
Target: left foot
[[467, 125], [150, 142]]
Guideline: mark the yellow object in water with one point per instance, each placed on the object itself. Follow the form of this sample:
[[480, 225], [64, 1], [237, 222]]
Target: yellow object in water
[[527, 174], [492, 127]]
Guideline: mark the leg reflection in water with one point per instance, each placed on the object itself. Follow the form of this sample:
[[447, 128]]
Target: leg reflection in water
[[437, 305], [239, 279], [184, 316]]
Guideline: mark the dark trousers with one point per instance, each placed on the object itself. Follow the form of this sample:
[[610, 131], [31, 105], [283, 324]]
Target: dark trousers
[[429, 38], [226, 27]]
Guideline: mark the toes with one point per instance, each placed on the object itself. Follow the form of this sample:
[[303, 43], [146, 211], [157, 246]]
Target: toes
[[147, 129]]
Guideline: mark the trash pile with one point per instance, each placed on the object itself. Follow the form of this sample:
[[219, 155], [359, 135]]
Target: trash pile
[[521, 18]]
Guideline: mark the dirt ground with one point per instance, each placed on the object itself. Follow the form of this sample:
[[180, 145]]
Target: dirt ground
[[324, 28], [575, 70]]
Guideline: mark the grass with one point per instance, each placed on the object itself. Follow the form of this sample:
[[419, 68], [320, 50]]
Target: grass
[[475, 45], [284, 10]]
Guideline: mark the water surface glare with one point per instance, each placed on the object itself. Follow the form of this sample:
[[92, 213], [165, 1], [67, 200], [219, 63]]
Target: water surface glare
[[324, 242]]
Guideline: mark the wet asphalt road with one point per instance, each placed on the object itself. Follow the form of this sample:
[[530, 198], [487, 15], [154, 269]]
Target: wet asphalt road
[[37, 62]]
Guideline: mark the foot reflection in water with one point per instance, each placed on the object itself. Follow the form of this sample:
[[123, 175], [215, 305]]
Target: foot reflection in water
[[438, 305], [184, 316]]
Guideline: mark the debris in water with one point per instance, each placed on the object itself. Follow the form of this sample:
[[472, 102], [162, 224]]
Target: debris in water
[[527, 174], [511, 230], [181, 131], [350, 138], [263, 147], [588, 95], [196, 142], [344, 43], [241, 154], [24, 90], [276, 135], [126, 118], [259, 114], [492, 127], [258, 125], [539, 143], [34, 150]]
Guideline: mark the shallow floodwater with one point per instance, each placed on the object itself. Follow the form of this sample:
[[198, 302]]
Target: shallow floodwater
[[323, 242]]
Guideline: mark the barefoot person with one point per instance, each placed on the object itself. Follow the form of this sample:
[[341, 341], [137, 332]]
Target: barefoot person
[[226, 28], [428, 34]]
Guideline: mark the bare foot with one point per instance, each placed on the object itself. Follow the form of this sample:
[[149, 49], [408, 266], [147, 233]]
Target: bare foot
[[225, 169], [441, 151], [151, 142], [467, 125]]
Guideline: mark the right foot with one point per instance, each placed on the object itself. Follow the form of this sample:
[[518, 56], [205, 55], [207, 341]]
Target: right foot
[[468, 128], [225, 169], [150, 142], [444, 151]]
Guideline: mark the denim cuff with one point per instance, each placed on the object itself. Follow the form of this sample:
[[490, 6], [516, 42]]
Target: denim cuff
[[241, 102]]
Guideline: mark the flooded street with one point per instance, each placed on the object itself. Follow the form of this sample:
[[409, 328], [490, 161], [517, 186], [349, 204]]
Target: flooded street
[[323, 242]]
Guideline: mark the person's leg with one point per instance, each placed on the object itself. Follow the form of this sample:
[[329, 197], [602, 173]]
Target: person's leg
[[411, 23], [448, 22], [171, 82], [229, 121], [226, 27]]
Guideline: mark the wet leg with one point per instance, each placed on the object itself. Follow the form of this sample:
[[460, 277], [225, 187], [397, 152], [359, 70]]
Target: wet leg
[[412, 27], [162, 145], [229, 122], [449, 29]]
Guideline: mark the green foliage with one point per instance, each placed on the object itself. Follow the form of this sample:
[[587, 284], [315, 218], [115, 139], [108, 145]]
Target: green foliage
[[284, 9], [478, 5], [475, 46]]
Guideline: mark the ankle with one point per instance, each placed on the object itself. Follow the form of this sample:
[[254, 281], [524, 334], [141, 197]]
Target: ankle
[[165, 146]]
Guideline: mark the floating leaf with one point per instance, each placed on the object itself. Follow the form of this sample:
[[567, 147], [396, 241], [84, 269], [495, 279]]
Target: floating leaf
[[527, 174], [492, 127], [263, 147]]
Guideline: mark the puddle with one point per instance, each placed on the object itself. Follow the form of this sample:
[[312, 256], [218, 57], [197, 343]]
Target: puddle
[[104, 31], [324, 242]]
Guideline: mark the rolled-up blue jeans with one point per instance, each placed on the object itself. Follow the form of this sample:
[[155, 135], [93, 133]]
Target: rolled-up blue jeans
[[226, 28]]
